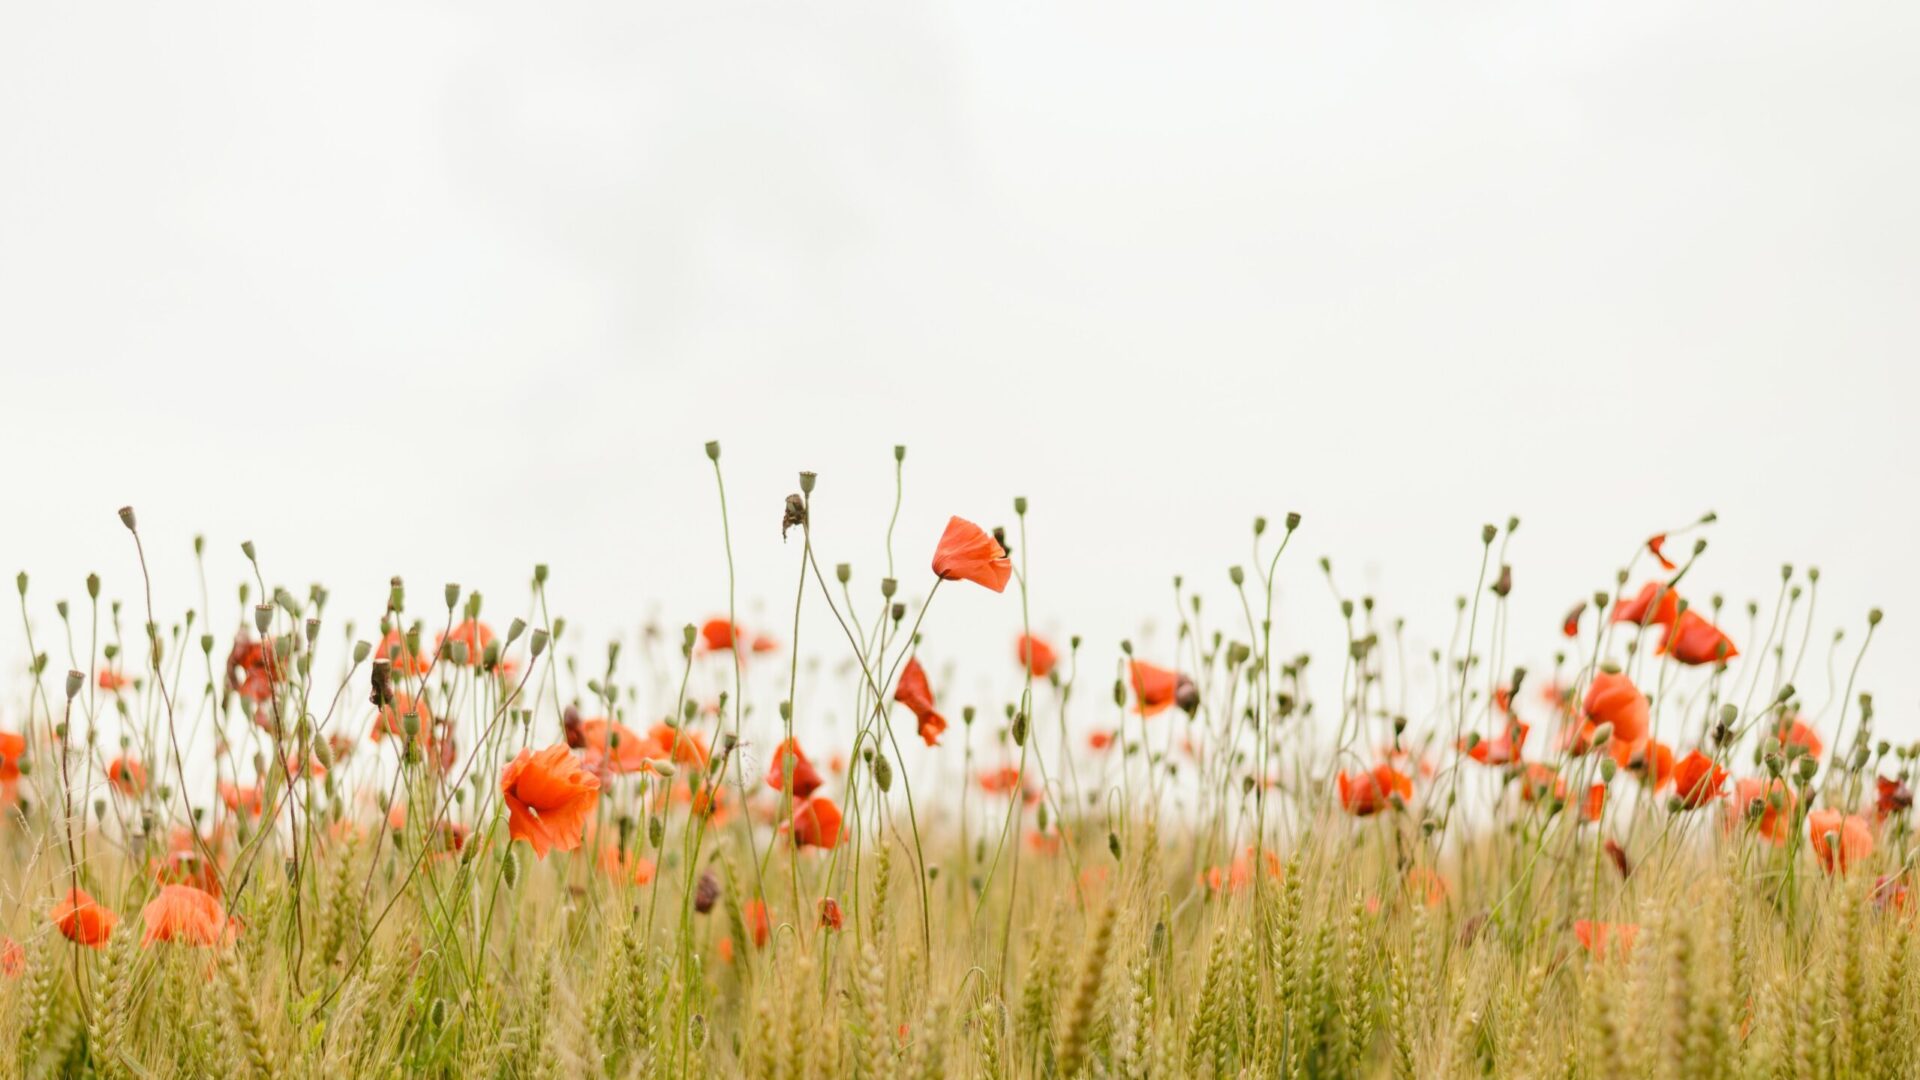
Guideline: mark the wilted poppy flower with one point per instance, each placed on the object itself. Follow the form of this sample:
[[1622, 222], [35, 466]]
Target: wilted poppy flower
[[251, 668], [1368, 793], [393, 648], [1037, 656], [1654, 544], [830, 915], [1698, 781], [1600, 938], [1503, 750], [240, 797], [1890, 797], [1854, 839], [806, 779], [112, 681], [754, 912], [816, 823], [184, 914], [127, 776], [1694, 640], [916, 695], [1613, 699], [13, 958], [82, 920], [968, 553], [1656, 605], [472, 633], [617, 747], [1154, 687], [1776, 814], [549, 799]]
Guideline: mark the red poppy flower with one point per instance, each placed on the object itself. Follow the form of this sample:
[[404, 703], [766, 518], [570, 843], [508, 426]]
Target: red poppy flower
[[1503, 750], [549, 799], [816, 823], [127, 776], [1654, 544], [615, 746], [393, 647], [718, 634], [1796, 732], [1694, 640], [915, 694], [754, 912], [806, 779], [238, 797], [626, 865], [1154, 688], [1368, 793], [1570, 626], [681, 746], [1004, 780], [112, 681], [1890, 797], [472, 633], [251, 668], [1777, 800], [1596, 937], [13, 958], [1100, 740], [1427, 886], [1828, 829], [185, 914], [1656, 605], [1652, 762], [185, 868], [1035, 655], [13, 747], [967, 553], [1698, 781], [1890, 892], [1613, 699], [82, 920], [392, 718], [1539, 781], [830, 915]]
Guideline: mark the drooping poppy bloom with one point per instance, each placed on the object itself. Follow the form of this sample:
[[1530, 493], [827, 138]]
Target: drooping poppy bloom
[[241, 797], [472, 633], [393, 647], [1368, 793], [184, 914], [127, 776], [1656, 605], [805, 780], [1797, 732], [1694, 640], [816, 823], [1601, 938], [1154, 688], [680, 746], [1698, 781], [1503, 750], [82, 920], [1840, 841], [616, 747], [1035, 655], [754, 913], [1570, 626], [112, 681], [1613, 699], [549, 799], [1776, 800], [968, 553], [916, 695], [831, 917], [1654, 544], [1890, 797]]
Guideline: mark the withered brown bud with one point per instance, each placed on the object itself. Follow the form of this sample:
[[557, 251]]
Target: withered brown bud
[[1186, 695], [795, 516], [706, 893]]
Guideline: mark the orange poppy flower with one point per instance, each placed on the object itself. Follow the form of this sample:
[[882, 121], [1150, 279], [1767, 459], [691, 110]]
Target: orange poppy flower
[[251, 669], [680, 746], [1035, 655], [1694, 640], [1427, 886], [185, 914], [13, 958], [1504, 750], [1777, 799], [393, 646], [549, 799], [472, 633], [1797, 732], [185, 868], [1100, 740], [718, 635], [1043, 843], [915, 694], [968, 553], [1698, 781], [806, 779], [816, 823], [1539, 780], [619, 748], [1890, 892], [1613, 699], [1890, 797], [1656, 605], [1652, 762], [1005, 780], [1596, 937], [82, 920], [127, 776], [1368, 793], [1654, 544], [112, 681], [1854, 839], [238, 797], [831, 917], [754, 912], [1570, 626], [1154, 688], [13, 747], [393, 717], [626, 865]]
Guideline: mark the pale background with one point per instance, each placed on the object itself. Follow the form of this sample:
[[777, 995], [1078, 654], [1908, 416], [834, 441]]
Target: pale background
[[446, 290]]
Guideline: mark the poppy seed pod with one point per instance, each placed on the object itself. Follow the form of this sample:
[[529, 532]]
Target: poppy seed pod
[[843, 572], [75, 681], [247, 549], [806, 482], [713, 450], [126, 518], [1020, 504], [452, 593], [262, 617], [899, 452]]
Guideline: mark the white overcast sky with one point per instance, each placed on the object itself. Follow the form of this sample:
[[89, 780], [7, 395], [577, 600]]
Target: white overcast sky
[[448, 289]]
